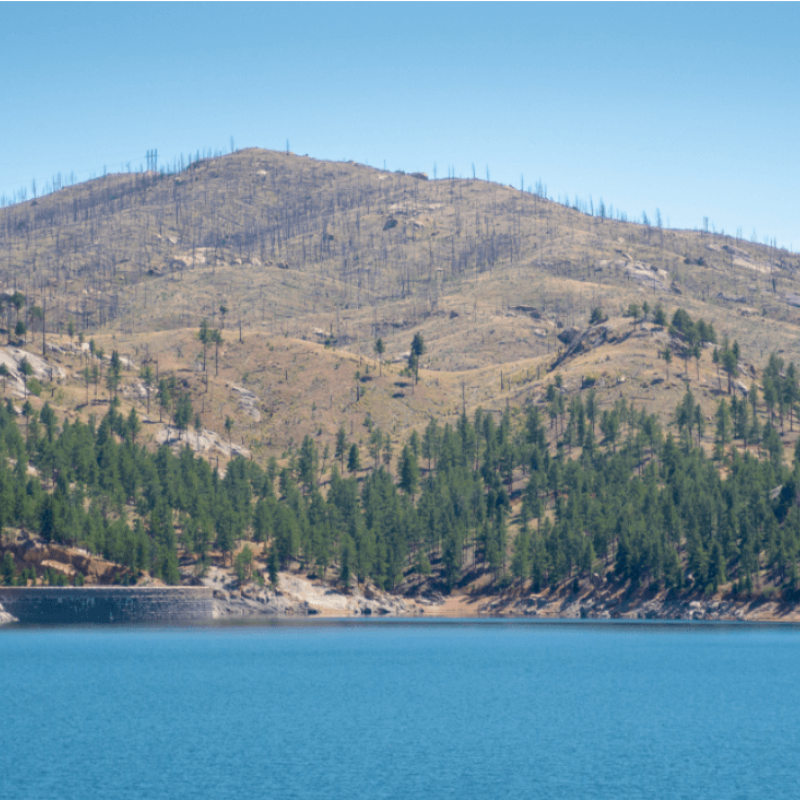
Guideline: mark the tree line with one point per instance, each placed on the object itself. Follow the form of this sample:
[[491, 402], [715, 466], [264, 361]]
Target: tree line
[[542, 495]]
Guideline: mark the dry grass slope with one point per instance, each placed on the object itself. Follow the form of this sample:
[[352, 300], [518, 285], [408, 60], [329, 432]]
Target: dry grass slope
[[300, 252]]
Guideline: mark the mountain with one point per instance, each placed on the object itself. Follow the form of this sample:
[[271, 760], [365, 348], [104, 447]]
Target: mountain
[[524, 306], [290, 244], [305, 251]]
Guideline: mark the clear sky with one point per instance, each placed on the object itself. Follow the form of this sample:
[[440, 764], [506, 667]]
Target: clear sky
[[690, 109]]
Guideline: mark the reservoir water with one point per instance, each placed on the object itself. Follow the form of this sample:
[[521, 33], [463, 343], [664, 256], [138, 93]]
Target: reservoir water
[[397, 709]]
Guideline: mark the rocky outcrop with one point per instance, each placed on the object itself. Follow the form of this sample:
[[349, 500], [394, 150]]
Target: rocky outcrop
[[66, 560], [206, 441], [43, 371], [602, 602], [274, 603], [730, 298], [568, 335], [253, 604], [297, 595], [57, 566], [248, 401], [589, 339], [5, 617], [651, 276]]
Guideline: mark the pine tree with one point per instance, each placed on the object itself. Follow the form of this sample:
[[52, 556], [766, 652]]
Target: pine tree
[[380, 349], [341, 445], [375, 445], [182, 416], [408, 471], [417, 351], [345, 556], [520, 561], [308, 463], [422, 565], [114, 373], [132, 425], [217, 339], [243, 564], [272, 565], [205, 337], [353, 459], [26, 370]]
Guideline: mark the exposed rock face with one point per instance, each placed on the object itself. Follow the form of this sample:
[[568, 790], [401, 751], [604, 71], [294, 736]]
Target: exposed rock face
[[66, 560], [5, 617], [599, 604], [568, 335], [248, 402], [66, 348], [729, 298], [654, 278], [43, 371], [203, 442], [296, 595], [588, 339], [58, 566]]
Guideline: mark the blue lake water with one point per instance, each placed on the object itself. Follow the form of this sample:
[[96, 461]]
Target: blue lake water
[[401, 710]]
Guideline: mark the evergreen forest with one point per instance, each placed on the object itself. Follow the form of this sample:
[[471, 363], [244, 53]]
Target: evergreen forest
[[536, 497]]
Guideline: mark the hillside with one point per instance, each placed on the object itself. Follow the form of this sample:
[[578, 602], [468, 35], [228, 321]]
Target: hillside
[[290, 246], [301, 252], [301, 265]]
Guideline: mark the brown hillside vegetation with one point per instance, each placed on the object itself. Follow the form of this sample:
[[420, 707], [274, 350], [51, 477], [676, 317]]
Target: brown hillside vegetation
[[304, 253], [306, 248], [301, 265]]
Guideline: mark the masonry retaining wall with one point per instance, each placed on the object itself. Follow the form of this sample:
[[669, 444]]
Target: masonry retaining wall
[[103, 604]]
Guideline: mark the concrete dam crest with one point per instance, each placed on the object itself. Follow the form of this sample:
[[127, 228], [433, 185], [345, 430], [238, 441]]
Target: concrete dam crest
[[104, 604]]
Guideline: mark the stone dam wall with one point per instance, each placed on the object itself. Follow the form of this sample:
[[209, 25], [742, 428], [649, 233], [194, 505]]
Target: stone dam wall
[[104, 604]]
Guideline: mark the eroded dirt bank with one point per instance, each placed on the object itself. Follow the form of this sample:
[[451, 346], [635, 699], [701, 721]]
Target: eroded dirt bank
[[624, 604]]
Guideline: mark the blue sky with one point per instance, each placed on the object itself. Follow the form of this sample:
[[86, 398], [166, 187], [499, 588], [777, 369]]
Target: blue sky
[[691, 109]]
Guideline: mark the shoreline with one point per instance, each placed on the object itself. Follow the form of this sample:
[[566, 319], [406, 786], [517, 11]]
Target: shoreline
[[604, 606], [278, 605], [298, 595]]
